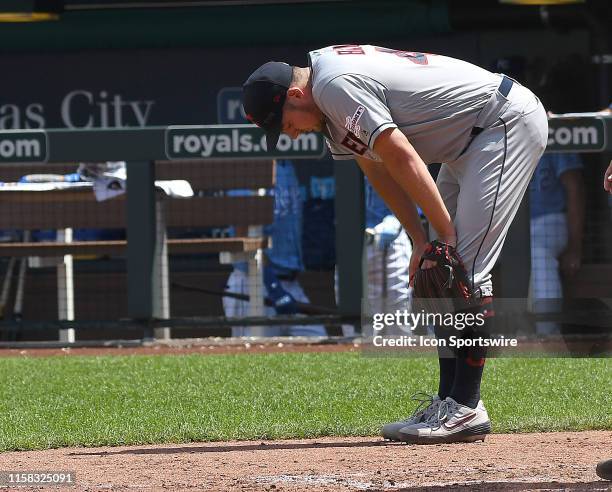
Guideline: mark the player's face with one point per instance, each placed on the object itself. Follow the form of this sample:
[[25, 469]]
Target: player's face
[[297, 120]]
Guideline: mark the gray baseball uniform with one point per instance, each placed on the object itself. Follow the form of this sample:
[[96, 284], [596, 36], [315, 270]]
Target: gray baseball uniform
[[488, 131]]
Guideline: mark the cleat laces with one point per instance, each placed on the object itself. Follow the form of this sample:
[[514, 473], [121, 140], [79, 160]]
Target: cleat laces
[[445, 411], [424, 400]]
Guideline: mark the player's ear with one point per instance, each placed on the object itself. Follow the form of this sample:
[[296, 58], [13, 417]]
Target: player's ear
[[295, 92]]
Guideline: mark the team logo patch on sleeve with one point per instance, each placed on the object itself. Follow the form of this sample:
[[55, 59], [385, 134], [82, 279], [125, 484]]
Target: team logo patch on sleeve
[[352, 121], [353, 143]]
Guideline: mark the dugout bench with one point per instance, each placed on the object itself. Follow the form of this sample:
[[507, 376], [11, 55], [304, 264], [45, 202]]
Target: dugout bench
[[65, 210]]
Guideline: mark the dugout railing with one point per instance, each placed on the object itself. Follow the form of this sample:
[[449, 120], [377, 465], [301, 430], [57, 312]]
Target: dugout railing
[[142, 147]]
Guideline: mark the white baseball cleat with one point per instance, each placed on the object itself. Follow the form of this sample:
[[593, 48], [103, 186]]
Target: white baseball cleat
[[427, 408], [453, 422]]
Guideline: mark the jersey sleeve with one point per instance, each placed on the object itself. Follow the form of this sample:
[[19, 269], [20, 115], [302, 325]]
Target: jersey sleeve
[[356, 103], [337, 152]]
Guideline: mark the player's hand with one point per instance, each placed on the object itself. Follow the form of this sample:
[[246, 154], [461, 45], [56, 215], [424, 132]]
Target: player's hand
[[570, 261], [418, 250], [451, 240], [608, 179]]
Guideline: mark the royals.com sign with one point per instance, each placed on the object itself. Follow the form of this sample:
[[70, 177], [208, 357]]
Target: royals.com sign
[[233, 141], [23, 146], [576, 134]]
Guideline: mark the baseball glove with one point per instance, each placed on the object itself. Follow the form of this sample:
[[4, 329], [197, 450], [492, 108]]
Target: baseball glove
[[445, 287]]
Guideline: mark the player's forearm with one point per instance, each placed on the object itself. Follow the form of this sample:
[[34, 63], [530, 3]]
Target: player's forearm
[[575, 219], [396, 199], [410, 172], [574, 192], [414, 178]]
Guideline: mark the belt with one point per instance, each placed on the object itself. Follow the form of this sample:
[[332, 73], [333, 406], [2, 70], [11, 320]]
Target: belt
[[504, 89], [505, 86]]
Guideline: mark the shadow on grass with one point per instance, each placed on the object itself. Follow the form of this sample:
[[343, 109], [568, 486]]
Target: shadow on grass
[[243, 447]]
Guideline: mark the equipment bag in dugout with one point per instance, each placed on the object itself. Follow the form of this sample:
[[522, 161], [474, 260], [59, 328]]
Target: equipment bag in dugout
[[446, 286]]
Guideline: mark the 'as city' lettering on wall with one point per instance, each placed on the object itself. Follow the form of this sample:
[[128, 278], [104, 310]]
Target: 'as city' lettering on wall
[[80, 109]]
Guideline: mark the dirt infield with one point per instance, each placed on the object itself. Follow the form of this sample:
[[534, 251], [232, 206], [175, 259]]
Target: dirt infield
[[518, 462], [191, 346], [582, 346]]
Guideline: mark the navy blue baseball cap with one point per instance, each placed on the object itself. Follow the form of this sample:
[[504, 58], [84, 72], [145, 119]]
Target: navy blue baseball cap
[[263, 98]]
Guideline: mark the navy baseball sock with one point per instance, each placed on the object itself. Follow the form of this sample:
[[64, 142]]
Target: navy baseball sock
[[447, 376], [471, 360], [468, 374], [447, 363]]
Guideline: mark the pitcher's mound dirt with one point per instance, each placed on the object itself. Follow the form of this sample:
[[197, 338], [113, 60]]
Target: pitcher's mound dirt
[[518, 462]]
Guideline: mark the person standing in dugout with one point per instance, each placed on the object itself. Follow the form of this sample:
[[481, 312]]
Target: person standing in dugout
[[394, 112]]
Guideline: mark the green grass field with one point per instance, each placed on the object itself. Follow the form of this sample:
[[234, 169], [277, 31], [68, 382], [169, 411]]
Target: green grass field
[[87, 401]]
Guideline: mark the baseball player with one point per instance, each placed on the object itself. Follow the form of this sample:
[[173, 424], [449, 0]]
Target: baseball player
[[604, 467], [395, 112], [388, 256], [557, 217], [283, 262], [557, 202], [388, 251]]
